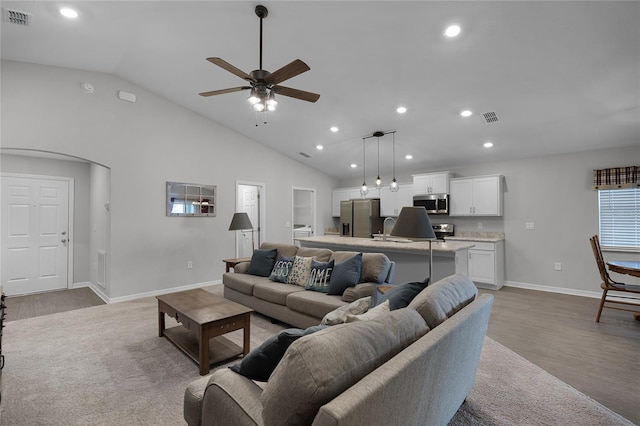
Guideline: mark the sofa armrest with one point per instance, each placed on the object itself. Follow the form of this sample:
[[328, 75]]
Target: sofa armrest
[[392, 273], [358, 292], [231, 399], [241, 268]]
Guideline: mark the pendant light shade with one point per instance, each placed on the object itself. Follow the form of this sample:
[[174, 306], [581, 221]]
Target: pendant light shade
[[393, 187], [378, 180], [364, 190]]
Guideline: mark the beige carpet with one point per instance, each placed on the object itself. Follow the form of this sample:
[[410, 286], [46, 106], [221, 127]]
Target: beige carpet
[[105, 365]]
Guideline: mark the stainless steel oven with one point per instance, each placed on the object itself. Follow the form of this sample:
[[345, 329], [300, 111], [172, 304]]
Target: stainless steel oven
[[434, 203]]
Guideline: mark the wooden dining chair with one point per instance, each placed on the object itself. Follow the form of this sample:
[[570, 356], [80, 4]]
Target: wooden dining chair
[[608, 284]]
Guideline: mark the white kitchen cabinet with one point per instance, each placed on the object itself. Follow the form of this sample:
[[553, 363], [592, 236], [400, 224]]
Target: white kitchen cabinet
[[343, 194], [392, 202], [431, 183], [486, 264], [476, 196]]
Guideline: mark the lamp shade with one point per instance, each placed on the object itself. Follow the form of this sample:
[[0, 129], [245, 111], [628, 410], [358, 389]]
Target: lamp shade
[[414, 223], [241, 221]]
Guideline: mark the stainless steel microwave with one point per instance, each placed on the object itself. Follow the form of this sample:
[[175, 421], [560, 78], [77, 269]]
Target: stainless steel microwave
[[434, 203]]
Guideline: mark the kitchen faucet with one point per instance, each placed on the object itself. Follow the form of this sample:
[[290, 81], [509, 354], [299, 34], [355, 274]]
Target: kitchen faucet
[[384, 227]]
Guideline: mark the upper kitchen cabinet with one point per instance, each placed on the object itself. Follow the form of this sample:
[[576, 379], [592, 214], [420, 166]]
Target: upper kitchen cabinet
[[476, 196], [392, 202], [431, 183]]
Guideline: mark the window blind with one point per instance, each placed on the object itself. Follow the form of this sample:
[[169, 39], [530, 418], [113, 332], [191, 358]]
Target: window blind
[[620, 218]]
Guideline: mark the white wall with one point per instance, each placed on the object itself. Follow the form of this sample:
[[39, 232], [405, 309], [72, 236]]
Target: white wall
[[146, 144], [555, 193], [100, 226]]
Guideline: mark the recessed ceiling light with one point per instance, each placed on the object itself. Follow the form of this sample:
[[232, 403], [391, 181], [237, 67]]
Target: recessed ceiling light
[[466, 113], [408, 156], [452, 31], [334, 129], [354, 165], [487, 144], [68, 13], [401, 110], [319, 147]]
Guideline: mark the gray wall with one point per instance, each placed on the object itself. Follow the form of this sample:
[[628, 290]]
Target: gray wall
[[555, 193], [80, 173], [146, 144]]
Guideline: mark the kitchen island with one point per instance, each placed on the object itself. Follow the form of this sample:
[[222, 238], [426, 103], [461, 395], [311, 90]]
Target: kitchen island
[[412, 258]]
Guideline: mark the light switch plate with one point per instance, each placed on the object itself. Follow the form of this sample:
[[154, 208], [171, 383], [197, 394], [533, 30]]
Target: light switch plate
[[530, 225]]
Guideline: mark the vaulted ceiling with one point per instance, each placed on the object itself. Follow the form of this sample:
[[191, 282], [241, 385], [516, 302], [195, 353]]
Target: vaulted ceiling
[[561, 76]]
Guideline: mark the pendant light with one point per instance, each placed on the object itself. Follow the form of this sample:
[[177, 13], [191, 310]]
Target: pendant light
[[378, 180], [364, 190], [393, 187]]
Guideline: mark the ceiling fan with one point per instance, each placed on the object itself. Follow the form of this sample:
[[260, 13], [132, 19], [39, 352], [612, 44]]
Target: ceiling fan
[[263, 84]]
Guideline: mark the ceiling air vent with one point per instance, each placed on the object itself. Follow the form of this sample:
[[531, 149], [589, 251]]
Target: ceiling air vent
[[304, 154], [16, 17], [490, 117]]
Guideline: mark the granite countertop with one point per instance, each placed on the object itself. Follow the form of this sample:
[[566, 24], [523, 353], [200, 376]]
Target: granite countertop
[[488, 237], [392, 243]]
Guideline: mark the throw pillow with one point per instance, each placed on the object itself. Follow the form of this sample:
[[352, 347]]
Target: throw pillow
[[281, 269], [375, 267], [260, 362], [345, 274], [300, 270], [319, 276], [262, 262], [399, 296], [339, 315], [372, 313]]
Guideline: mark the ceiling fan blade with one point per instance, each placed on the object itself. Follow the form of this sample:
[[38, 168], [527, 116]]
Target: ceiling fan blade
[[288, 71], [295, 93], [227, 66], [223, 91]]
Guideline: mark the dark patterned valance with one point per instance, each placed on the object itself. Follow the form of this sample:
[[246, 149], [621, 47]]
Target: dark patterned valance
[[617, 178]]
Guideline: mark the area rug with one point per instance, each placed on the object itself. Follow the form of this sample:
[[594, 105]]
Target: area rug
[[106, 365]]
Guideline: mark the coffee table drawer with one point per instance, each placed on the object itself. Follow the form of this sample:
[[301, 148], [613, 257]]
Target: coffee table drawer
[[226, 326]]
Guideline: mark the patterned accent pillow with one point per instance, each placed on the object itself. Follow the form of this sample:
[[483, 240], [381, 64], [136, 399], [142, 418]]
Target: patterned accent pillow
[[319, 276], [281, 269], [300, 270], [372, 313], [339, 315]]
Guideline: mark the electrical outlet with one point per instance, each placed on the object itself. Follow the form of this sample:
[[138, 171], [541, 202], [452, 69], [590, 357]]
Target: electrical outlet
[[558, 266], [479, 225], [189, 264], [530, 226]]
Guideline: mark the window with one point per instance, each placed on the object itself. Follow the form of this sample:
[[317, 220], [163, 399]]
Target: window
[[620, 218]]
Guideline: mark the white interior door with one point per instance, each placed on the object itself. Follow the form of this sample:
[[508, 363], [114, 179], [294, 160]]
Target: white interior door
[[35, 234], [248, 200]]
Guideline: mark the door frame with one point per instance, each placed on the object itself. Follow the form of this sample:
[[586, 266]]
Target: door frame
[[71, 237], [261, 210], [313, 209]]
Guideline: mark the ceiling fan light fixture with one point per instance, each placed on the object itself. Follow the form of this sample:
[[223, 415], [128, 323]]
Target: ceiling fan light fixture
[[271, 102], [259, 106], [253, 97]]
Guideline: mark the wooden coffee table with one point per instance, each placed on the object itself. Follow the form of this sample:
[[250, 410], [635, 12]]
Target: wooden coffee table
[[204, 318]]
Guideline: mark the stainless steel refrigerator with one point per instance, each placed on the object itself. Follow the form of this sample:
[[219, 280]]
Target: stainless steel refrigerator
[[360, 218]]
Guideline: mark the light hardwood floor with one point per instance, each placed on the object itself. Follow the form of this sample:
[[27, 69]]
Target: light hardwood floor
[[554, 331]]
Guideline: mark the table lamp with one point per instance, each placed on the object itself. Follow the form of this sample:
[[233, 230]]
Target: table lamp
[[414, 223], [241, 222]]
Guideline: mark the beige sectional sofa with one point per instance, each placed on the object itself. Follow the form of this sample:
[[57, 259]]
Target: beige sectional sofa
[[293, 304], [410, 366]]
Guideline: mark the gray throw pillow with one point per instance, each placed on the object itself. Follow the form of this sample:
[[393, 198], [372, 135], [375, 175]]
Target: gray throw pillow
[[262, 262], [400, 295], [281, 269], [319, 276], [345, 274]]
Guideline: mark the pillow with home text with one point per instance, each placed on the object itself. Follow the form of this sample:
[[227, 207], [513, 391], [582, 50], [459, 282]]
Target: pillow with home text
[[319, 276]]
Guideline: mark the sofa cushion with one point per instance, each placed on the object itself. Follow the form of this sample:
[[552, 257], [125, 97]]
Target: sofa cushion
[[261, 361], [262, 262], [319, 367], [375, 267], [300, 270], [313, 303], [373, 313], [319, 254], [345, 274], [275, 292], [281, 269], [399, 296], [319, 276], [339, 315], [286, 250], [242, 283], [444, 298]]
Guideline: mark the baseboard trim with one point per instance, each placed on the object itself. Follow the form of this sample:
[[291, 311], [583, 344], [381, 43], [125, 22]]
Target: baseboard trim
[[100, 292], [550, 289]]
